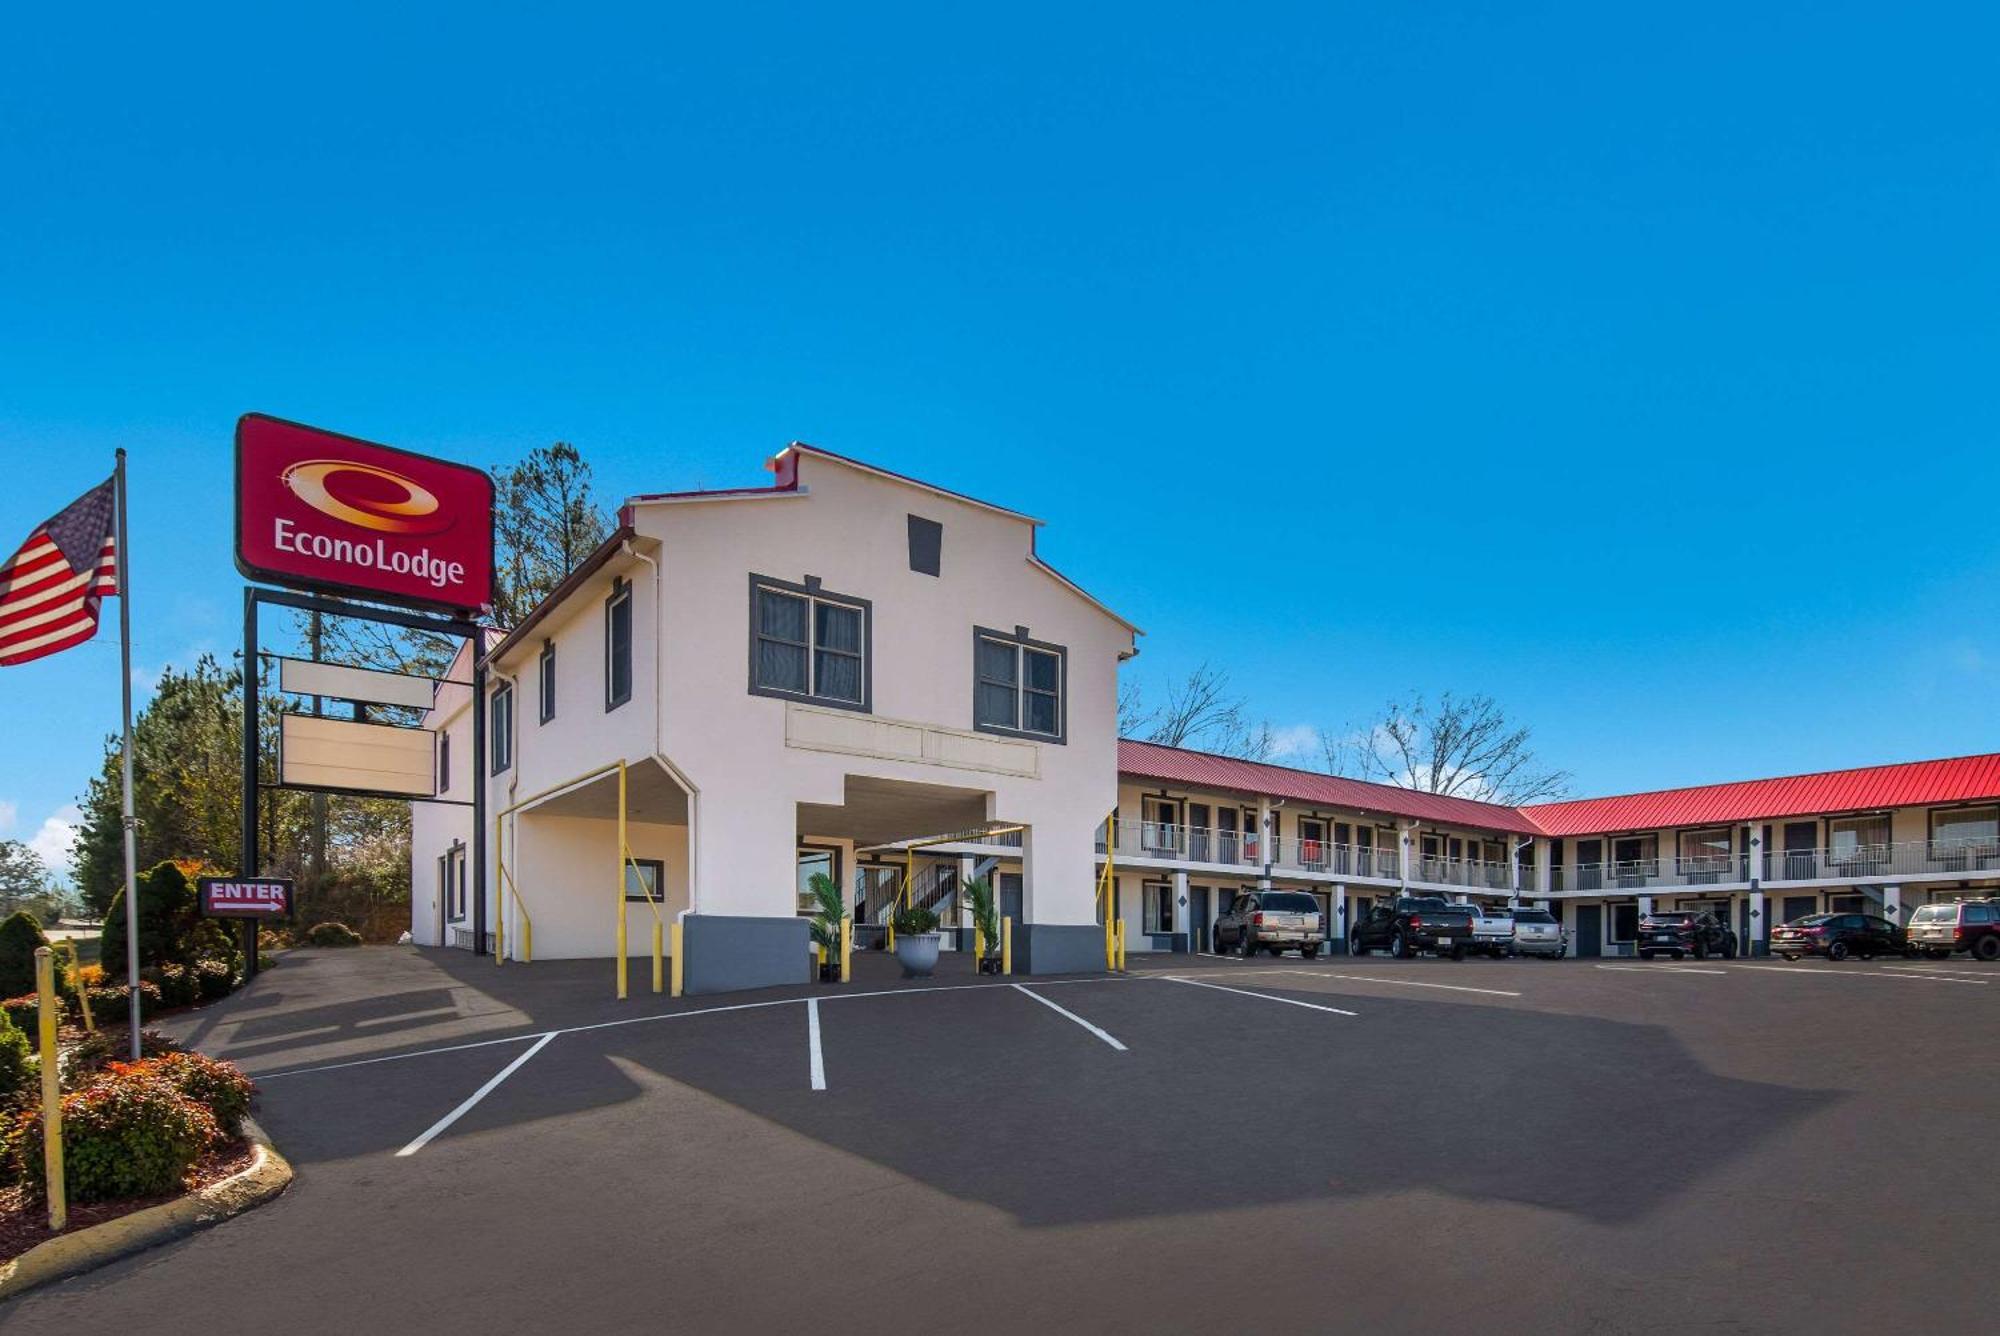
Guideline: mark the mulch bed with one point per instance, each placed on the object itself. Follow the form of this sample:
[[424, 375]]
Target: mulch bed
[[22, 1225]]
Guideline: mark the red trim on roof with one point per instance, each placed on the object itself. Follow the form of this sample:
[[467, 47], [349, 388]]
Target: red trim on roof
[[1869, 788], [1177, 765]]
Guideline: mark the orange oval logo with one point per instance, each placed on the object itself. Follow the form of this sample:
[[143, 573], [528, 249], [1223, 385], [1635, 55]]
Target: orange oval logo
[[363, 495]]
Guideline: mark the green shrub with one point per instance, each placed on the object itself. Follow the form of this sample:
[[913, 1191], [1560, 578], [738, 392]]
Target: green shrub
[[93, 1053], [177, 984], [332, 934], [129, 1133], [20, 934], [17, 1066], [213, 980], [26, 1012], [171, 928], [219, 1087], [914, 921], [110, 1006]]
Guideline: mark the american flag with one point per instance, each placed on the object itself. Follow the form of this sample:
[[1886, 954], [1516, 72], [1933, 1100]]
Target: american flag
[[49, 590]]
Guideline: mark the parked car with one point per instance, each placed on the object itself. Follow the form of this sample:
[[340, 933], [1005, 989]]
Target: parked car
[[1273, 921], [1969, 925], [1536, 933], [1685, 932], [1492, 929], [1837, 936], [1409, 924]]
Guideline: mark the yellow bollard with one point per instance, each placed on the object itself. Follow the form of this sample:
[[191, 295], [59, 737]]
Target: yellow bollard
[[52, 1159], [68, 949], [846, 950], [1006, 946], [675, 930], [1121, 944], [978, 947], [621, 947], [527, 935], [659, 956]]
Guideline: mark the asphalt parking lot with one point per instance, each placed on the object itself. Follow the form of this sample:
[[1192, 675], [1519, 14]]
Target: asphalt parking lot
[[1203, 1144]]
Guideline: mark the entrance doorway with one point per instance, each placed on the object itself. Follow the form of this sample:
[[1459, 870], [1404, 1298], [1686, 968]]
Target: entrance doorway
[[1590, 930], [1198, 921], [1798, 906], [1010, 896]]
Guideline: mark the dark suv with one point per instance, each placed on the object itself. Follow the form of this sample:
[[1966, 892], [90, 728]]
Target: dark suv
[[1685, 932], [1969, 925], [1838, 936]]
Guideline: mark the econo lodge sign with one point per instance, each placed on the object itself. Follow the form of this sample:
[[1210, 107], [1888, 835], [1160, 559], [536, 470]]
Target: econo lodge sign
[[319, 510]]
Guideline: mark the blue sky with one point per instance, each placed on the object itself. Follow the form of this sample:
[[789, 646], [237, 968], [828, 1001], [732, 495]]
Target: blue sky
[[1633, 367]]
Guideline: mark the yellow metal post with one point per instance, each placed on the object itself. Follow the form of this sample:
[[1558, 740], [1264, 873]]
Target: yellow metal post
[[659, 955], [499, 888], [1006, 946], [621, 881], [1121, 944], [52, 1157], [978, 946], [68, 948], [846, 949], [675, 988]]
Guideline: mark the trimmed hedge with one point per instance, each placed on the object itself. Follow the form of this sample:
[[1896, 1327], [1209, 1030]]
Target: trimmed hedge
[[95, 1052], [219, 1087], [131, 1133], [20, 934], [111, 1006], [17, 1066], [332, 934], [26, 1012]]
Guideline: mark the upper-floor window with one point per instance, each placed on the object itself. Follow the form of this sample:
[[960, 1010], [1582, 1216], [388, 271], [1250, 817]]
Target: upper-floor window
[[444, 760], [1961, 831], [1858, 839], [1018, 684], [545, 672], [618, 645], [808, 644], [502, 729]]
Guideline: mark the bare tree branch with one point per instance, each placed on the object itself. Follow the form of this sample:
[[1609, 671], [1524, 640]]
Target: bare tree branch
[[1199, 712], [1463, 747]]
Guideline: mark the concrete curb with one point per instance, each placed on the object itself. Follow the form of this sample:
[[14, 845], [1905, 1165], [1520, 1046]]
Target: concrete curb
[[86, 1249]]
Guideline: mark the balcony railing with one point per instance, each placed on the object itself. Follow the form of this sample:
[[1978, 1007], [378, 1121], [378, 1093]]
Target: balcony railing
[[1204, 844], [1867, 862], [1471, 873]]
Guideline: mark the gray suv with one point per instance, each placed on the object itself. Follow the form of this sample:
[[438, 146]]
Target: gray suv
[[1272, 921]]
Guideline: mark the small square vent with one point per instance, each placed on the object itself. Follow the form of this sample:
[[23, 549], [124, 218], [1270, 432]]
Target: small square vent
[[926, 545]]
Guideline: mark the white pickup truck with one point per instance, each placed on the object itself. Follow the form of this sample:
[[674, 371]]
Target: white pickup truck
[[1492, 929]]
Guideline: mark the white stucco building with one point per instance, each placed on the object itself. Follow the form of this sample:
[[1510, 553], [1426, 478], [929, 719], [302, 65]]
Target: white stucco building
[[779, 680]]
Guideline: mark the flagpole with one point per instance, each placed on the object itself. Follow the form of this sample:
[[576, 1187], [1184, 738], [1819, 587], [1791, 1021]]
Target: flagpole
[[125, 690]]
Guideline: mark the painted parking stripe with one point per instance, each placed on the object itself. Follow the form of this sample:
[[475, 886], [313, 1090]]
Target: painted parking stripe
[[812, 1042], [1268, 997], [1405, 983], [494, 1084], [1835, 972], [1064, 1011], [1939, 969], [671, 1016], [1660, 969]]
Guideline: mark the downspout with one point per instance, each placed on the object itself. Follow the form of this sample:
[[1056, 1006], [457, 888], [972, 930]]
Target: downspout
[[513, 786], [659, 748]]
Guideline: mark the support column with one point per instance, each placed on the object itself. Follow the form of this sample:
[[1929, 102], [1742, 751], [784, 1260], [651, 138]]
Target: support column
[[967, 866], [1543, 868], [1892, 903], [1337, 930], [1183, 922], [1267, 824], [1645, 906], [1759, 933], [1753, 840]]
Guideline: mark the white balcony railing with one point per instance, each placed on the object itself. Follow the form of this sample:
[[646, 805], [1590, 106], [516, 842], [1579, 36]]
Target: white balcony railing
[[1869, 862], [1231, 848]]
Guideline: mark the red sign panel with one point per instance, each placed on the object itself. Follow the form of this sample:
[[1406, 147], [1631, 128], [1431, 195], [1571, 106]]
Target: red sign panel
[[259, 897], [318, 510]]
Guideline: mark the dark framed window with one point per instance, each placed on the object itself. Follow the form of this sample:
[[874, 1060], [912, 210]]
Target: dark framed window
[[618, 645], [444, 760], [644, 878], [1019, 685], [810, 645], [820, 859], [926, 546], [502, 729], [545, 673]]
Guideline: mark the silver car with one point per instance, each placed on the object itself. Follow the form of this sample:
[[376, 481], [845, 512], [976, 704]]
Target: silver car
[[1536, 933]]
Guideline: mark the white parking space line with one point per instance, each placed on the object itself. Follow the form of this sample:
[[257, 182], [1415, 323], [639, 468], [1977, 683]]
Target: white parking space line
[[395, 1057], [1064, 1011], [1836, 972], [1938, 969], [1268, 997], [441, 1124], [1405, 983], [812, 1042], [1660, 969]]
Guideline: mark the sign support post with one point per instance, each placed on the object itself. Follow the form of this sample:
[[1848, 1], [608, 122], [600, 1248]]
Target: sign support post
[[252, 721]]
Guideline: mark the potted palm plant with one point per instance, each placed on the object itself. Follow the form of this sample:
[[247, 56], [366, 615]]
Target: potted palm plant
[[832, 912], [986, 923], [916, 941]]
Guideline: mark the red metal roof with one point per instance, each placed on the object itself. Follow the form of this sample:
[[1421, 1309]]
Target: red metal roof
[[1176, 765], [1870, 788]]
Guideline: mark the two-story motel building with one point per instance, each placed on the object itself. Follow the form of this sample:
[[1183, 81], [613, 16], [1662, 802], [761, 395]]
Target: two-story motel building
[[854, 673]]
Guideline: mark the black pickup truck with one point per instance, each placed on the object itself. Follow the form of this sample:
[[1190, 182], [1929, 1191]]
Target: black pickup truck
[[1409, 924]]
